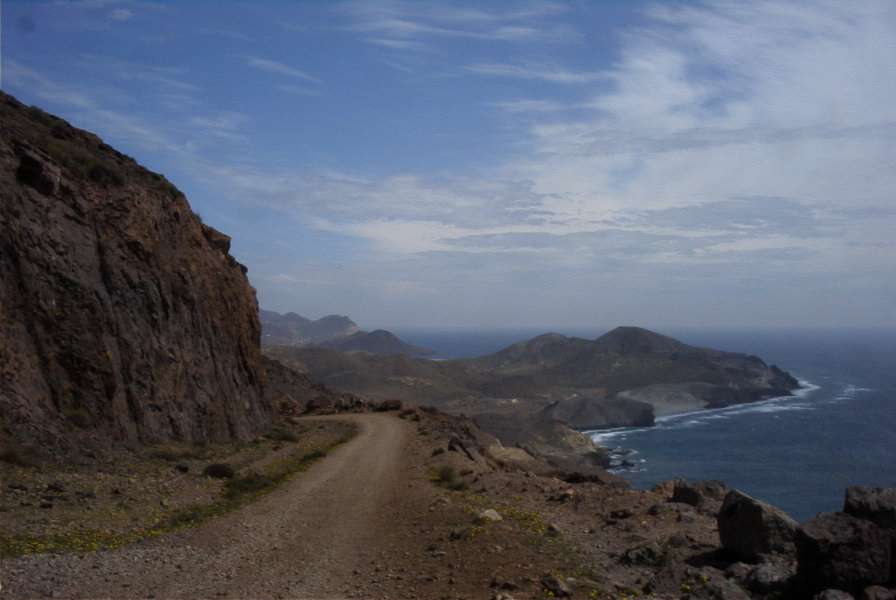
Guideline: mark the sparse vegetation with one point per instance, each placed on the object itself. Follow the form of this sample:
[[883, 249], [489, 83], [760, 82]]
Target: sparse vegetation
[[281, 434], [92, 525], [447, 477]]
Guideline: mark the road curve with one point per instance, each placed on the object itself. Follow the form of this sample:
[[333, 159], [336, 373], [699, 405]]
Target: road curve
[[304, 540]]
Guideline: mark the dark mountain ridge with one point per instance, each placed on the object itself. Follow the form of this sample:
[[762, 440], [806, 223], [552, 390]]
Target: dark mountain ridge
[[622, 378], [291, 329], [334, 331]]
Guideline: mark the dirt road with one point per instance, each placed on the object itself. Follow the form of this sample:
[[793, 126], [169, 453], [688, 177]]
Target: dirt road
[[316, 536]]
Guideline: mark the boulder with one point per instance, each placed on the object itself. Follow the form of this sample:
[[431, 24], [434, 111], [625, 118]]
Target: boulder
[[555, 586], [704, 495], [750, 528], [487, 516], [877, 505], [840, 551]]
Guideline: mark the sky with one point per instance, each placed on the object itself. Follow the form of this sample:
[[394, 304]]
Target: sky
[[506, 164]]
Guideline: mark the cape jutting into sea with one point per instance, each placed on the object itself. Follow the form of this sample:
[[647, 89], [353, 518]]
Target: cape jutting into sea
[[798, 453]]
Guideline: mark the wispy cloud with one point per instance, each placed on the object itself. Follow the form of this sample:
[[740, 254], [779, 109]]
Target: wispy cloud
[[541, 72], [274, 66], [392, 23]]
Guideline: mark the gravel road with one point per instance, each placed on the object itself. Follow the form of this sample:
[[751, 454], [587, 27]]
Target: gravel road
[[316, 536]]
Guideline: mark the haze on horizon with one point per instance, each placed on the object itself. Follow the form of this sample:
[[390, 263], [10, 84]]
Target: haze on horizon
[[506, 164]]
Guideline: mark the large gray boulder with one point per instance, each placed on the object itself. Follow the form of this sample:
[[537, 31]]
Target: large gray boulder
[[842, 552], [750, 528]]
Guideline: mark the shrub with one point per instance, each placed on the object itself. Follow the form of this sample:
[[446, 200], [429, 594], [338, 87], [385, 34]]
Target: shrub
[[246, 484], [219, 471], [281, 435], [446, 477], [314, 455]]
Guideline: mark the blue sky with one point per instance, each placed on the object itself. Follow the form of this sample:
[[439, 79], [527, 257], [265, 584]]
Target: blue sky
[[506, 164]]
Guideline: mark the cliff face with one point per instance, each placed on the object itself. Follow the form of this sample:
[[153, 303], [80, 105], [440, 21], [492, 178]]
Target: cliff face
[[119, 310]]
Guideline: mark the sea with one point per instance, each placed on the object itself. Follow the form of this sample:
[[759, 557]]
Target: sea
[[798, 453]]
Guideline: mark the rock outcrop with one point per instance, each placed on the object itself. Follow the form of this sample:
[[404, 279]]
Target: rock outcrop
[[584, 412], [121, 312], [750, 528], [849, 554]]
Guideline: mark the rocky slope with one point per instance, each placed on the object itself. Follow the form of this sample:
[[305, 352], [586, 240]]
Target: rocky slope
[[121, 312]]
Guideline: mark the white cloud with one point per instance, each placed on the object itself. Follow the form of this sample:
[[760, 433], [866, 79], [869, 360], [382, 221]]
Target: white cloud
[[277, 67], [389, 23], [542, 72], [121, 14]]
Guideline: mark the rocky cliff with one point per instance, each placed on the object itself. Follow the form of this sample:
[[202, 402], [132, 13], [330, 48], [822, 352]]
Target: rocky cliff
[[122, 314]]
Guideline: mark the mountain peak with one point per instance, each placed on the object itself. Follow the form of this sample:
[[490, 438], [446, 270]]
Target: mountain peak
[[628, 339]]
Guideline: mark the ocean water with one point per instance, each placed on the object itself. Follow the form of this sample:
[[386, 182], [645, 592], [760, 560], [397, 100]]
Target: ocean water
[[798, 453]]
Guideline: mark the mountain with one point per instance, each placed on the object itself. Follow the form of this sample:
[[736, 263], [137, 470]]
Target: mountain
[[291, 329], [334, 332], [623, 378], [122, 313], [378, 341], [630, 358]]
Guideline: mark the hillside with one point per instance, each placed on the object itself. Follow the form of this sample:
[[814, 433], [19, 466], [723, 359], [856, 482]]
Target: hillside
[[624, 378], [292, 329], [335, 332], [124, 316]]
